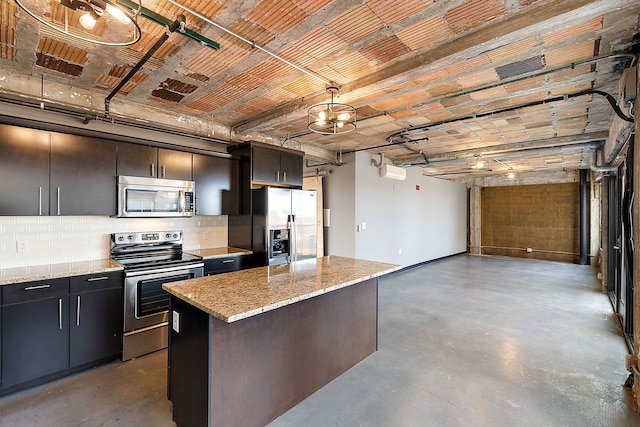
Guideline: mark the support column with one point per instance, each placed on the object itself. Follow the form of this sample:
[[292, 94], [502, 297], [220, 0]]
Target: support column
[[584, 217], [635, 215], [475, 223]]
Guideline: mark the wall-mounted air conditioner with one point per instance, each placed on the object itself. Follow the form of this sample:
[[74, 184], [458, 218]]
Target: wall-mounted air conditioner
[[393, 172]]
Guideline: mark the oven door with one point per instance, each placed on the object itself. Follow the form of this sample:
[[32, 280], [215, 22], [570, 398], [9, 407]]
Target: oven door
[[145, 302]]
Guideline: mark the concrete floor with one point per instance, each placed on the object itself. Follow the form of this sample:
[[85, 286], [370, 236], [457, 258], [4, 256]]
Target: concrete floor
[[480, 341]]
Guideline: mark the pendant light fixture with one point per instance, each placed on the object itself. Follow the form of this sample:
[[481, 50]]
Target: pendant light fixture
[[79, 19], [331, 118]]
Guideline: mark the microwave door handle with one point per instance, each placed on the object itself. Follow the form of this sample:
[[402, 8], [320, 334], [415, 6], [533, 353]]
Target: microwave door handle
[[181, 202]]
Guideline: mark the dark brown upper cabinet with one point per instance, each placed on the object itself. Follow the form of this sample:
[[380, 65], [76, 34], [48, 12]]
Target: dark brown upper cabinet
[[83, 175], [144, 160], [217, 185], [24, 171], [272, 165]]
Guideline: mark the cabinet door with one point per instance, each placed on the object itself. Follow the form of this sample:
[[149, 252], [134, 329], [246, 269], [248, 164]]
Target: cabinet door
[[35, 340], [83, 174], [175, 164], [137, 160], [24, 171], [265, 164], [96, 325], [217, 185], [291, 169]]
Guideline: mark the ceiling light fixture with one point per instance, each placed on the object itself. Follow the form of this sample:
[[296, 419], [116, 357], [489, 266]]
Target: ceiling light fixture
[[331, 118], [78, 19]]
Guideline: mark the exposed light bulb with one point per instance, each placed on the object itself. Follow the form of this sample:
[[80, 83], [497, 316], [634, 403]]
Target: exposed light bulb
[[87, 21], [320, 122], [340, 124], [479, 165], [344, 117], [511, 175], [118, 14], [322, 115]]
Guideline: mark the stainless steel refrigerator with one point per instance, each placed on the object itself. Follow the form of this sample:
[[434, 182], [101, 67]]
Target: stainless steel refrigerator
[[284, 225]]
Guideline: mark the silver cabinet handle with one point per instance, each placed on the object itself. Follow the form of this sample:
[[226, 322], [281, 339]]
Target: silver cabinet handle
[[181, 201], [152, 170], [228, 261], [78, 312], [278, 176], [33, 288], [58, 200], [284, 176], [39, 200], [95, 279], [163, 169], [60, 313]]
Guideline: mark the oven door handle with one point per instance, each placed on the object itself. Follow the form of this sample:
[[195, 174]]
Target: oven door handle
[[156, 271]]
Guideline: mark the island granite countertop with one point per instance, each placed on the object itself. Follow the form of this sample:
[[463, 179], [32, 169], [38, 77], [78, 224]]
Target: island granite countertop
[[237, 295]]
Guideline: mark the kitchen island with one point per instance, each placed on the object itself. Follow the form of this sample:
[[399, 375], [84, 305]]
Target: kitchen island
[[247, 346]]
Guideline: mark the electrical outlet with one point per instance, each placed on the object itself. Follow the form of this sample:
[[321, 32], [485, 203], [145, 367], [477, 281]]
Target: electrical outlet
[[176, 321], [22, 246], [364, 225]]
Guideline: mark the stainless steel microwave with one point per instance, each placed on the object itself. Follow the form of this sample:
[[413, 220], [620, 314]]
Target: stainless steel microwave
[[140, 197]]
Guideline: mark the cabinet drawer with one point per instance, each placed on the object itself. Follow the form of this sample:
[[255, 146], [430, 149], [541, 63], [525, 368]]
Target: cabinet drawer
[[33, 291], [96, 282], [221, 265]]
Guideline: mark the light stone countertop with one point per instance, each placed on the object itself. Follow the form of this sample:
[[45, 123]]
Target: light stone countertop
[[209, 253], [237, 295], [52, 271]]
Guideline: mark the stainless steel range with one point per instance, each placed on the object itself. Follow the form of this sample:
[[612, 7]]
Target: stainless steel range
[[149, 260]]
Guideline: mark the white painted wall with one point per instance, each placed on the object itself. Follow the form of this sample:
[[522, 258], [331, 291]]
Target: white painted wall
[[403, 225], [63, 239]]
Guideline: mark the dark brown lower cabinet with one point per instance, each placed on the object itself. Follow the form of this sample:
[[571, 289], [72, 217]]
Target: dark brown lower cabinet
[[51, 328], [95, 329], [35, 334]]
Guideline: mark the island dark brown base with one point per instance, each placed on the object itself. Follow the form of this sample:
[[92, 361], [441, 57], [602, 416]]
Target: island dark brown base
[[247, 373]]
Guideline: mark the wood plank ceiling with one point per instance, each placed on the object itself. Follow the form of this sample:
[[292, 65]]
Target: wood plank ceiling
[[473, 87]]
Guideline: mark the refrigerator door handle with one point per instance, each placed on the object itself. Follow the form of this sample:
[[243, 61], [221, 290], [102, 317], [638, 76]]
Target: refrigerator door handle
[[293, 236]]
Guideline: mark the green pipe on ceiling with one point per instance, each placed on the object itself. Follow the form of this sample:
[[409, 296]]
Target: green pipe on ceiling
[[161, 20]]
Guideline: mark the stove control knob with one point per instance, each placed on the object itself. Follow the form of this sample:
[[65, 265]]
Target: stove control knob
[[168, 235], [175, 235], [120, 238], [130, 237]]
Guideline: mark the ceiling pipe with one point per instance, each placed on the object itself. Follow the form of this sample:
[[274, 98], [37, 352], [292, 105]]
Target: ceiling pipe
[[252, 43], [180, 20]]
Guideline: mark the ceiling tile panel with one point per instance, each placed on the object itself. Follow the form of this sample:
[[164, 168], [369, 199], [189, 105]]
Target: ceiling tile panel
[[400, 101], [61, 66], [391, 11], [352, 65], [425, 33], [384, 50], [474, 13], [8, 22], [245, 81], [489, 93], [208, 103], [570, 73], [113, 79], [444, 89], [572, 53], [513, 49], [473, 64], [320, 43], [264, 103], [304, 86], [248, 30], [277, 95], [311, 6], [431, 76], [478, 79], [519, 68], [573, 31], [355, 24], [277, 16], [571, 89], [62, 51], [527, 84], [211, 63], [269, 70]]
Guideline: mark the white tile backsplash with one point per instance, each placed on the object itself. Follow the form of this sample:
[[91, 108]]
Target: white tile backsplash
[[84, 238]]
